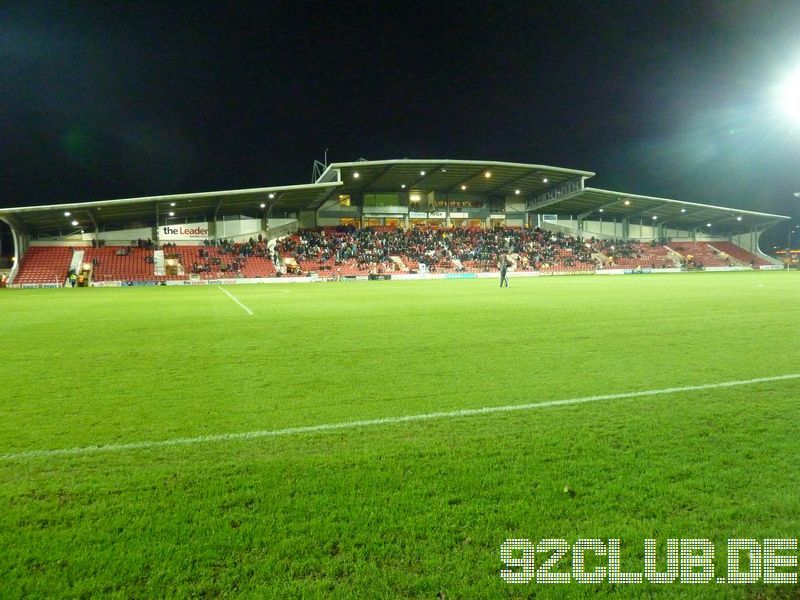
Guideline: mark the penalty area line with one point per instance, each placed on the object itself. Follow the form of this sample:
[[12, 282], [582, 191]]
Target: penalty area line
[[468, 412], [235, 299]]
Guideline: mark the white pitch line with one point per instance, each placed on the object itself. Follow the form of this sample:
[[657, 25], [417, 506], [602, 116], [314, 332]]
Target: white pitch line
[[469, 412], [232, 297]]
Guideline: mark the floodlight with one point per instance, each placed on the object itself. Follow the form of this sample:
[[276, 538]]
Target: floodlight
[[463, 187], [683, 210], [67, 213], [263, 205], [272, 195], [487, 174], [172, 204], [627, 202], [75, 223], [422, 173], [654, 217], [356, 175], [403, 186], [171, 214], [516, 192], [544, 180], [601, 210], [415, 197], [789, 96]]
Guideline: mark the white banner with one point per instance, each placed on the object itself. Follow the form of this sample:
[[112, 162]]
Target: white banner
[[184, 231]]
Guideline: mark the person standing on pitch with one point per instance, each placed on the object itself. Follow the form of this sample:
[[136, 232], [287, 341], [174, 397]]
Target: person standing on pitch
[[503, 271]]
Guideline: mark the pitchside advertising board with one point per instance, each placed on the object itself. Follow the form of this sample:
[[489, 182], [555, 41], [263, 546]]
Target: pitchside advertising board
[[183, 232]]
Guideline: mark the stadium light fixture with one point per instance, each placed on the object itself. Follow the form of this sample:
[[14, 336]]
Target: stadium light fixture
[[403, 186], [271, 195], [422, 173], [789, 96], [172, 204], [171, 214], [488, 174], [516, 192], [263, 205], [627, 203], [601, 210], [655, 217], [74, 223], [545, 180], [683, 210], [797, 194], [356, 175], [708, 224], [739, 218], [463, 187], [67, 213], [415, 197]]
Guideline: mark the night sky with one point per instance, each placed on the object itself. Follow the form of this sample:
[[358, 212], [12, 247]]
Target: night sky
[[126, 99]]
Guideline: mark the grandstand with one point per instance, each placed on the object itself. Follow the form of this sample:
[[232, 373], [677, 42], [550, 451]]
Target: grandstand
[[393, 218]]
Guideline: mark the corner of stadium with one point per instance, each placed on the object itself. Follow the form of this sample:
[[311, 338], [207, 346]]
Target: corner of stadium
[[387, 219]]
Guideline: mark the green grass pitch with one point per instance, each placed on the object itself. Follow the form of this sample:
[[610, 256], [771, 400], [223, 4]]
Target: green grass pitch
[[397, 510]]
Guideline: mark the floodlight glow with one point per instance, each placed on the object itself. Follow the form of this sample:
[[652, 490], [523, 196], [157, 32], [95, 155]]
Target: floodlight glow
[[422, 173], [683, 210], [544, 180], [171, 214], [516, 192], [627, 203], [654, 217], [463, 187], [708, 224], [738, 218], [415, 197], [601, 210], [403, 186], [789, 96], [272, 195], [487, 174], [67, 213], [263, 205], [172, 204], [75, 223], [356, 175]]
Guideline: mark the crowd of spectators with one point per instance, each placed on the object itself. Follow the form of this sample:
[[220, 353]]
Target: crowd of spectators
[[377, 250], [227, 256], [372, 248]]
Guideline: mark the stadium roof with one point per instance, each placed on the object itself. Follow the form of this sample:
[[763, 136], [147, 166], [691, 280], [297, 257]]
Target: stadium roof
[[203, 205], [544, 189], [593, 203], [457, 176]]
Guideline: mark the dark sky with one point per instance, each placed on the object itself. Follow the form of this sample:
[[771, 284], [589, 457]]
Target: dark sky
[[102, 100]]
